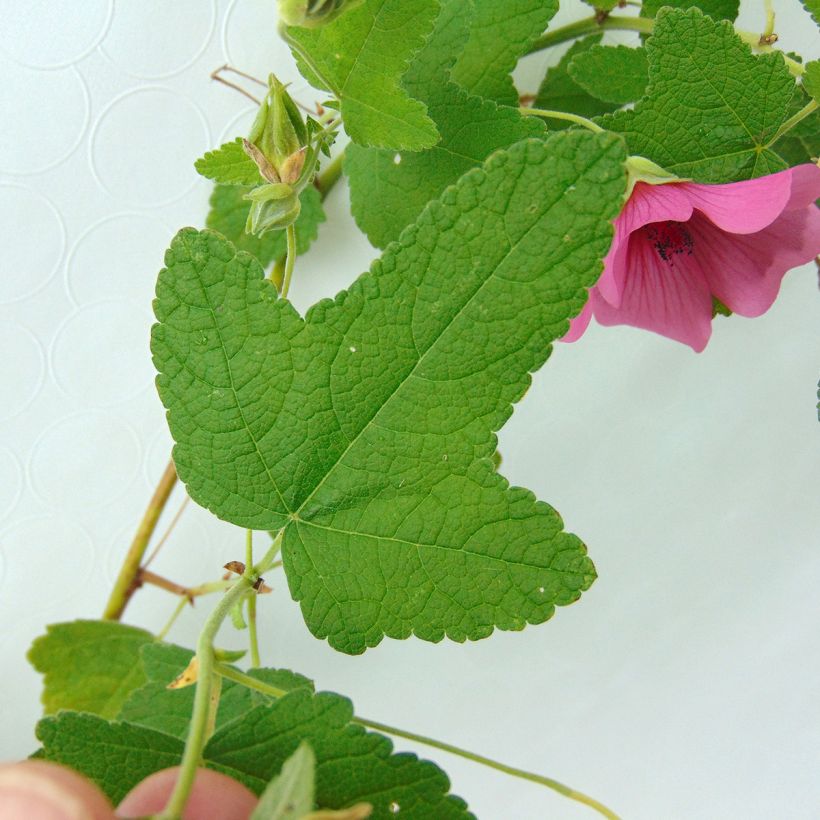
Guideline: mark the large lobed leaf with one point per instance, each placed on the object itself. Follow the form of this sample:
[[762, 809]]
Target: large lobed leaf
[[711, 107], [360, 58], [366, 430], [388, 190]]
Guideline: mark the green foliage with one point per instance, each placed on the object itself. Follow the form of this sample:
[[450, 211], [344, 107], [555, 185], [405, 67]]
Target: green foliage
[[229, 165], [716, 126], [716, 9], [602, 5], [813, 8], [367, 429], [352, 765], [290, 795], [169, 710], [811, 80], [360, 58], [615, 74], [801, 143], [229, 212], [499, 34], [560, 92], [388, 190], [89, 666]]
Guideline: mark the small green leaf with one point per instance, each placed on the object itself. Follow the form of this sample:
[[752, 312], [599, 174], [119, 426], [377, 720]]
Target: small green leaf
[[811, 80], [559, 92], [230, 165], [813, 8], [500, 33], [367, 429], [360, 58], [716, 9], [156, 707], [290, 795], [229, 212], [615, 74], [716, 126], [89, 666]]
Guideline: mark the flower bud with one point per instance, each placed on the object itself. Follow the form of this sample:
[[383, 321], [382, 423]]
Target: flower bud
[[278, 136], [273, 207], [313, 13]]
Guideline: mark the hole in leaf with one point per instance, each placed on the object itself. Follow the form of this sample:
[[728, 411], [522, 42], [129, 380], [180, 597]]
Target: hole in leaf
[[397, 159], [394, 807]]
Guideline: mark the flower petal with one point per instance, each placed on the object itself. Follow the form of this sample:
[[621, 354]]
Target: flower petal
[[743, 207], [668, 297], [745, 272], [805, 186], [578, 325]]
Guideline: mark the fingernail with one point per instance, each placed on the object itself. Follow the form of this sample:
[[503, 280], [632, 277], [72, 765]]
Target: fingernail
[[29, 795]]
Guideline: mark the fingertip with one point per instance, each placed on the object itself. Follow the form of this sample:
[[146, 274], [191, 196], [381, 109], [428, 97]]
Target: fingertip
[[212, 795]]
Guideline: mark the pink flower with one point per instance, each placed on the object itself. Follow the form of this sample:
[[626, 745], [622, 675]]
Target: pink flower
[[679, 244]]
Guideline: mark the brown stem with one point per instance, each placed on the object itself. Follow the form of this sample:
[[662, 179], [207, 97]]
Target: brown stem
[[128, 580], [145, 576]]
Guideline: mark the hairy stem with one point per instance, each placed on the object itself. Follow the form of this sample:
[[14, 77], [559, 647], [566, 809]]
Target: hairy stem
[[204, 710], [273, 691], [290, 260], [253, 638], [127, 580], [562, 115]]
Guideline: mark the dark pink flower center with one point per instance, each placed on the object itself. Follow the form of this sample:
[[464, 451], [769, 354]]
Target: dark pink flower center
[[669, 239]]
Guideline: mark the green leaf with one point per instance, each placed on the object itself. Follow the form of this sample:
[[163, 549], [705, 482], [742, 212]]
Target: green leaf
[[169, 710], [360, 58], [602, 5], [801, 143], [367, 430], [716, 9], [499, 35], [716, 126], [615, 74], [811, 80], [388, 190], [352, 765], [229, 212], [559, 92], [230, 165], [290, 795], [813, 8], [90, 666]]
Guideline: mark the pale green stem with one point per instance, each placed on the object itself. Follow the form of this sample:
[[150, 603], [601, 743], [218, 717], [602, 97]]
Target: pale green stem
[[769, 30], [183, 600], [203, 697], [562, 115], [253, 638], [273, 691], [804, 112], [330, 176], [290, 261]]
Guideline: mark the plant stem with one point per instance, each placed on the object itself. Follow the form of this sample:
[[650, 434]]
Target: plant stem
[[562, 115], [330, 176], [253, 638], [769, 30], [290, 261], [804, 112], [273, 691], [127, 580], [183, 601], [168, 531], [204, 706]]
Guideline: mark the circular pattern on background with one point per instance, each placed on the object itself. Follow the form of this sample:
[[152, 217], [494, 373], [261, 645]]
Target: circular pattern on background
[[21, 371], [148, 166], [39, 543], [118, 257], [28, 263], [11, 480], [122, 331], [52, 33], [157, 454], [240, 125], [84, 461], [240, 42], [44, 117], [158, 22]]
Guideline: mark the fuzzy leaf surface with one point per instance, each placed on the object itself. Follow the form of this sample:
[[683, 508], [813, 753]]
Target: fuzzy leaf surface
[[229, 165], [711, 107], [155, 706], [89, 666], [360, 58], [811, 80], [500, 33], [716, 9], [352, 765], [290, 795], [367, 429], [388, 190], [229, 212], [560, 92], [615, 74]]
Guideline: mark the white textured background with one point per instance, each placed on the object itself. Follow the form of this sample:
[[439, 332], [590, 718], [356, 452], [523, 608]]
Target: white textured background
[[684, 685]]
